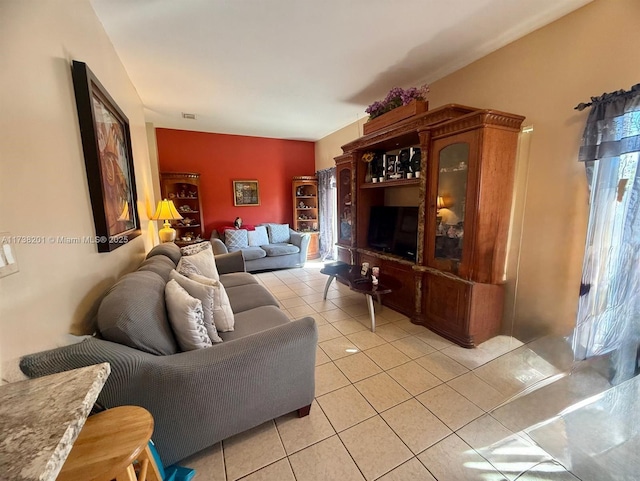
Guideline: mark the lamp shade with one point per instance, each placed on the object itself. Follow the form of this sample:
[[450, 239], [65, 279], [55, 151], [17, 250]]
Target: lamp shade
[[166, 211], [440, 203]]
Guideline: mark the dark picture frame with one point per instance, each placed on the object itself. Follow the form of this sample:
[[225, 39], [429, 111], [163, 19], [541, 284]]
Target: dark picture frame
[[106, 144], [246, 193]]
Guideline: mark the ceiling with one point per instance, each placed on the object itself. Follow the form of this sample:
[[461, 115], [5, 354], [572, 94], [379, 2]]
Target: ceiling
[[300, 69]]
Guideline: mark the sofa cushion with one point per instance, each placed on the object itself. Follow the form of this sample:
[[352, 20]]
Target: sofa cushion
[[133, 313], [206, 296], [168, 249], [250, 253], [243, 298], [186, 317], [237, 279], [274, 250], [258, 237], [236, 238], [161, 265], [256, 320], [223, 317], [278, 233], [202, 263]]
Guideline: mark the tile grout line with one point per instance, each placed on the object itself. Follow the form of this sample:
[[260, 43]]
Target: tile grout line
[[383, 370]]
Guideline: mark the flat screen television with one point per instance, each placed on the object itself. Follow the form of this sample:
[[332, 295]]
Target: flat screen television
[[394, 229]]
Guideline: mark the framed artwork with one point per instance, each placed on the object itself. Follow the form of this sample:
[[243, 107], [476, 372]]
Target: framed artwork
[[106, 143], [246, 193]]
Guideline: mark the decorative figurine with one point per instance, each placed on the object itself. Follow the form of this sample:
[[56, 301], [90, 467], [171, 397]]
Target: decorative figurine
[[415, 159], [404, 159]]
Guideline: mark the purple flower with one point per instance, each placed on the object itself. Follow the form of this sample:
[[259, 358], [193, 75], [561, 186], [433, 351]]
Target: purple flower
[[375, 109]]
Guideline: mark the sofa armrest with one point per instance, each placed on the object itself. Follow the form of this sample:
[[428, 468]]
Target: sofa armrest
[[231, 262], [302, 241], [200, 397], [218, 247]]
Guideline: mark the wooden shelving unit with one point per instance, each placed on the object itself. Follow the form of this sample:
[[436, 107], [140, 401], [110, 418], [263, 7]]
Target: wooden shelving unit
[[183, 188], [306, 211], [463, 195]]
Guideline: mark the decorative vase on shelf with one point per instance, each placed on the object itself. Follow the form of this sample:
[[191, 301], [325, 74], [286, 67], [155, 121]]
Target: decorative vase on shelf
[[367, 177]]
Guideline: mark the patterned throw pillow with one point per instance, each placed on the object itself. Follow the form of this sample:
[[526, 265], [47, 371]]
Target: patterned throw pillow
[[203, 263], [195, 248], [186, 267], [186, 317], [258, 237], [206, 295], [223, 317], [278, 233], [236, 238]]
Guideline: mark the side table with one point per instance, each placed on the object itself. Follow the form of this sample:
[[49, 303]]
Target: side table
[[351, 277]]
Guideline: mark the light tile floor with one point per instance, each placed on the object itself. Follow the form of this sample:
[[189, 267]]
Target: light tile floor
[[400, 404]]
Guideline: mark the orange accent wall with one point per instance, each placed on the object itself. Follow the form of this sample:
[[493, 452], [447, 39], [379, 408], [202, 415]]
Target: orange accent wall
[[222, 158]]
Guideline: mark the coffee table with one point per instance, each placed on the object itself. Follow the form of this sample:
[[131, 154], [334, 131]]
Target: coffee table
[[350, 276]]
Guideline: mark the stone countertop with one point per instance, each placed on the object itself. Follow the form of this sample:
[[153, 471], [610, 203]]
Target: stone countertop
[[41, 418]]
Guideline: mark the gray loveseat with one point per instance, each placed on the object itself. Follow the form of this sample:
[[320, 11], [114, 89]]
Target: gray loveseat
[[263, 369], [279, 255]]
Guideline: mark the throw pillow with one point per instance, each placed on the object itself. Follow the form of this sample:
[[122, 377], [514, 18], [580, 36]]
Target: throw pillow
[[195, 248], [236, 238], [201, 263], [258, 237], [186, 317], [206, 296], [222, 313], [278, 233], [186, 267]]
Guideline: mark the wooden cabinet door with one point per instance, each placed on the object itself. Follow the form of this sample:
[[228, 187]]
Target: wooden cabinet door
[[452, 192], [346, 203], [446, 303], [401, 279]]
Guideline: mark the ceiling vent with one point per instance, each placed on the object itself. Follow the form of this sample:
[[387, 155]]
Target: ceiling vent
[[188, 116]]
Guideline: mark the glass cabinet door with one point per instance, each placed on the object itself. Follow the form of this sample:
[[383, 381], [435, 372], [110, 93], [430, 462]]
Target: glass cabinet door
[[344, 206], [453, 162]]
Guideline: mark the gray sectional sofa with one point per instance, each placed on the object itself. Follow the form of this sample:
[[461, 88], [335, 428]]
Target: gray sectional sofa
[[279, 255], [263, 369]]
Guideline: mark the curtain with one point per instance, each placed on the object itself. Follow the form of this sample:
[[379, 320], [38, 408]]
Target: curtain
[[327, 200], [609, 304]]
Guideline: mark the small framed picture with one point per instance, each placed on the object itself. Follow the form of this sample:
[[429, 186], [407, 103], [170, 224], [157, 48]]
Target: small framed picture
[[246, 193]]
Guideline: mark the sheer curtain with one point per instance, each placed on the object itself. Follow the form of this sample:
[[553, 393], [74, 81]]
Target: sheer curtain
[[609, 306], [327, 200]]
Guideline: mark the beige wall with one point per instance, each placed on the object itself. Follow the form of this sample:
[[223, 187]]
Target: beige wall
[[543, 76], [43, 186]]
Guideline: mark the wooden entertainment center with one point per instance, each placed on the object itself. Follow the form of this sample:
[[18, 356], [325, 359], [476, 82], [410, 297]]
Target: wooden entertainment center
[[454, 281]]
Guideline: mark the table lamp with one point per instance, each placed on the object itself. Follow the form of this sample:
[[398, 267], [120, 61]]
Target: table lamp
[[166, 211]]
